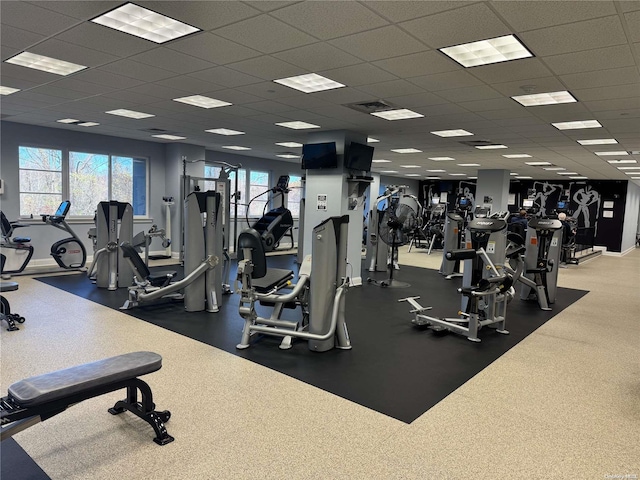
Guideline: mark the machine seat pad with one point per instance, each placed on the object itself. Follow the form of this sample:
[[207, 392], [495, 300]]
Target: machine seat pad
[[21, 239], [42, 389], [159, 278], [8, 286], [275, 277]]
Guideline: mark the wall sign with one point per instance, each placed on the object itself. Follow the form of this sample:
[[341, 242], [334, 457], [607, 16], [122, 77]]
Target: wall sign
[[322, 202]]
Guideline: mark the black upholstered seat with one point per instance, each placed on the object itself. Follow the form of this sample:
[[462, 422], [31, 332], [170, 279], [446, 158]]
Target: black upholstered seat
[[158, 279]]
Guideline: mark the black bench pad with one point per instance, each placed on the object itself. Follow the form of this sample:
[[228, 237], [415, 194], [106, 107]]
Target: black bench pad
[[8, 286], [45, 388], [275, 277]]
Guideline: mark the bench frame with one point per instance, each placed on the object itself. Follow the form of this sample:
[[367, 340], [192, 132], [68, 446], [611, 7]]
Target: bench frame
[[14, 418]]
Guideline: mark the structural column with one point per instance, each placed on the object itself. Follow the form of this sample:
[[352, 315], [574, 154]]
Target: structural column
[[492, 190]]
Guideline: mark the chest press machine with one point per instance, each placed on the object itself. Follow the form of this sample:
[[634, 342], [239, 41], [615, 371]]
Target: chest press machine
[[36, 399], [319, 292]]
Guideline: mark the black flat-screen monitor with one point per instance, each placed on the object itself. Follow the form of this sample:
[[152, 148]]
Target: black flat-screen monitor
[[359, 157], [319, 155]]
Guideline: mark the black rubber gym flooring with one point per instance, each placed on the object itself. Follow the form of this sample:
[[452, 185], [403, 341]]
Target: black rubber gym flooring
[[395, 368]]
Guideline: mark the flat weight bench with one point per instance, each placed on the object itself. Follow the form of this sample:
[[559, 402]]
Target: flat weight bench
[[39, 398]]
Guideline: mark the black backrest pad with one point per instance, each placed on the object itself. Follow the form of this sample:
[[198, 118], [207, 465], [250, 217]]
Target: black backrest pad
[[138, 264], [5, 224], [250, 238], [39, 390]]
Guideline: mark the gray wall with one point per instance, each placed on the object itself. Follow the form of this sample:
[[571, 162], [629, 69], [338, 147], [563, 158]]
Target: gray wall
[[16, 134], [631, 217]]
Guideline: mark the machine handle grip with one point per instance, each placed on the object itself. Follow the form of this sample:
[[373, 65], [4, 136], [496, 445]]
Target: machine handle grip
[[461, 254]]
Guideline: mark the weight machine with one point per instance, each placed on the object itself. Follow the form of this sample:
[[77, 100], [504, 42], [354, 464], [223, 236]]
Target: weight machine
[[277, 223]]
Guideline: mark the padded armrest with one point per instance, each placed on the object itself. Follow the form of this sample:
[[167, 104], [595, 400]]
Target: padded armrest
[[63, 383]]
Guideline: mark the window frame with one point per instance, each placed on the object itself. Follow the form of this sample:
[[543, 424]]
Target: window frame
[[291, 175], [66, 181]]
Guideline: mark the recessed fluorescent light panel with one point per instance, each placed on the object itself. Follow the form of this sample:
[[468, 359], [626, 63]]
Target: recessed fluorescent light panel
[[437, 171], [577, 125], [614, 162], [236, 147], [224, 131], [406, 150], [517, 155], [297, 125], [309, 83], [388, 171], [8, 90], [441, 159], [381, 161], [287, 155], [412, 175], [123, 112], [468, 164], [67, 120], [46, 64], [458, 174], [551, 98], [523, 178], [485, 52], [514, 174], [628, 168], [568, 173], [165, 136], [538, 164], [620, 153], [88, 124], [432, 178], [490, 147], [452, 133], [400, 114], [143, 23], [410, 166], [598, 141], [578, 178], [202, 101], [631, 173], [372, 140], [289, 144], [553, 169]]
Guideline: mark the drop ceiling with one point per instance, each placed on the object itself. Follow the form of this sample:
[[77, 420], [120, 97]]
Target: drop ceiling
[[380, 50]]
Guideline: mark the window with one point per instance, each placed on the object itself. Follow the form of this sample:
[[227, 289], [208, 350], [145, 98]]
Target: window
[[48, 176], [40, 180], [211, 172], [242, 191], [295, 195], [258, 185]]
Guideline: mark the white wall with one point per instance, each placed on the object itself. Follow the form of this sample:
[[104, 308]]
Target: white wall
[[631, 217]]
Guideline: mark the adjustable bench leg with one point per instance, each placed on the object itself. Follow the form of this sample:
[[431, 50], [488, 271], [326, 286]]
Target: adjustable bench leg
[[145, 410]]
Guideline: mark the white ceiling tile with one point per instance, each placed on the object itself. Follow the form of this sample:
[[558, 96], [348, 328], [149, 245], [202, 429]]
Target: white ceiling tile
[[423, 99], [80, 10], [507, 113], [267, 67], [565, 112], [70, 52], [54, 91], [32, 18], [539, 85], [137, 70], [29, 74], [171, 60], [633, 25], [201, 14], [269, 106], [621, 104], [609, 92], [18, 38], [303, 102], [589, 60], [386, 89], [226, 77], [530, 15], [378, 44], [235, 96], [265, 34], [468, 94], [418, 64], [128, 97], [467, 24], [213, 48], [601, 78], [587, 35], [269, 91], [399, 11], [104, 39], [188, 84], [442, 109], [343, 95], [523, 69], [446, 81], [268, 5], [317, 57], [361, 74], [326, 20], [491, 104], [74, 83], [111, 80], [14, 82]]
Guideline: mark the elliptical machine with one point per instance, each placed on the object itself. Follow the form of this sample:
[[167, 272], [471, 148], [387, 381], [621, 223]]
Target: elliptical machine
[[277, 222], [69, 253]]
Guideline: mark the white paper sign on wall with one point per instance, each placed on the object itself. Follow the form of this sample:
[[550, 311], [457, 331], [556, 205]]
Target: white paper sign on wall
[[322, 202]]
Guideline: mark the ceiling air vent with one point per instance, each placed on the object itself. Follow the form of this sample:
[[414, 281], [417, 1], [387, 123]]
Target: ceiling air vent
[[372, 106], [477, 143]]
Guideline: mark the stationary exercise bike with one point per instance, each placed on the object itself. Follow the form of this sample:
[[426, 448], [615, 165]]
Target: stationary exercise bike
[[69, 253]]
